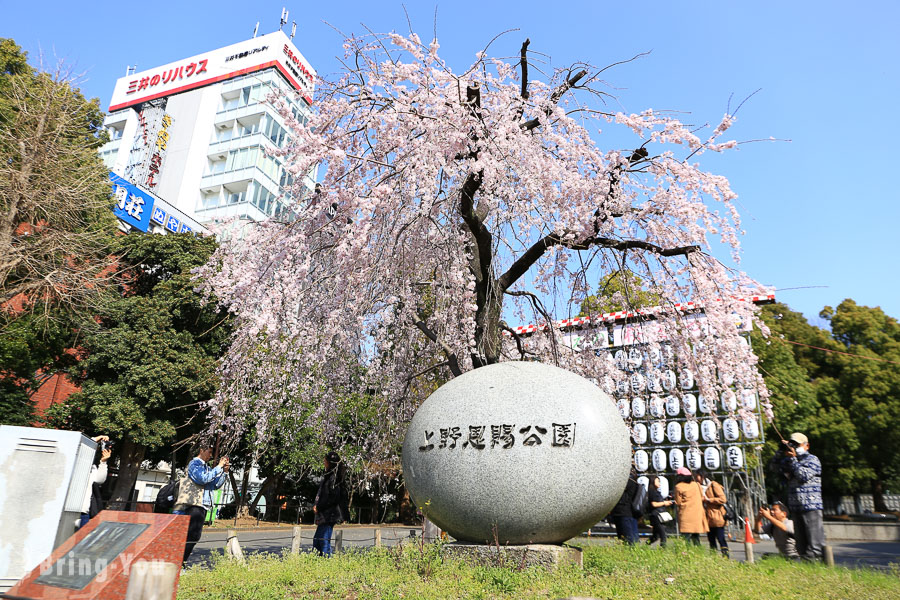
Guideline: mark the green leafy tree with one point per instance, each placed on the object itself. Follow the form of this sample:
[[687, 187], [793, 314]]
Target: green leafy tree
[[868, 388], [31, 349], [152, 360], [619, 291], [795, 376], [842, 388]]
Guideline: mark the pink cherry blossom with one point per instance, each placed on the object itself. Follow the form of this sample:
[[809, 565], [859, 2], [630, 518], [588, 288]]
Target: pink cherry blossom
[[465, 207]]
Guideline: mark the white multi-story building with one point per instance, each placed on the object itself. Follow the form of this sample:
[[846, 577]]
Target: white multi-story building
[[188, 140]]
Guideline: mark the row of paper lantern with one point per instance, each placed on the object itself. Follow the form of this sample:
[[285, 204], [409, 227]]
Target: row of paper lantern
[[657, 357], [655, 382], [692, 458], [689, 403], [633, 359], [708, 429]]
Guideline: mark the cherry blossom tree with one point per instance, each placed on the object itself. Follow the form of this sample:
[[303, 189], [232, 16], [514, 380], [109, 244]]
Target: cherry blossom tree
[[450, 207]]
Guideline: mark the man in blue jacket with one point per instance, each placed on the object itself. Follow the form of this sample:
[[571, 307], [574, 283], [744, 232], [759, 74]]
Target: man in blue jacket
[[195, 493], [803, 473]]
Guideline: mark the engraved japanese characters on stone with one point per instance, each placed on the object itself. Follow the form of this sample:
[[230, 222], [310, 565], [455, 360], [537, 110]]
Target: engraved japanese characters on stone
[[562, 435]]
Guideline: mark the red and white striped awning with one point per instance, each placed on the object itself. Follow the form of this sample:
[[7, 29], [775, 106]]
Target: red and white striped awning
[[623, 315]]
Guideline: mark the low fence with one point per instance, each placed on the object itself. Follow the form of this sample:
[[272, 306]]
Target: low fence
[[858, 504]]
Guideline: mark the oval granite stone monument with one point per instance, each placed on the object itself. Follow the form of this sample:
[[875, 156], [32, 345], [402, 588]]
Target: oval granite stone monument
[[523, 451]]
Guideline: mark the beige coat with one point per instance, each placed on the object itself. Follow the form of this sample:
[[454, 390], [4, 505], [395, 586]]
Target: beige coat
[[689, 500], [715, 504]]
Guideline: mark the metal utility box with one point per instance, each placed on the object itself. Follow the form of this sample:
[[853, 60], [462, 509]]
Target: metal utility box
[[44, 476]]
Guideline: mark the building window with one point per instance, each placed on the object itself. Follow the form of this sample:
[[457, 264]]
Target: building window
[[216, 167], [241, 159], [210, 200], [275, 132], [235, 196], [150, 492]]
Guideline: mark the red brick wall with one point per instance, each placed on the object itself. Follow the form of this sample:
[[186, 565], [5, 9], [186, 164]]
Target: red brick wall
[[55, 389]]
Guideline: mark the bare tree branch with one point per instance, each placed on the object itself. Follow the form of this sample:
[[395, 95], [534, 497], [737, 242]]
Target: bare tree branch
[[530, 256], [452, 361]]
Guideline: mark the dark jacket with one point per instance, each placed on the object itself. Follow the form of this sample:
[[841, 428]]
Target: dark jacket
[[331, 500], [623, 506]]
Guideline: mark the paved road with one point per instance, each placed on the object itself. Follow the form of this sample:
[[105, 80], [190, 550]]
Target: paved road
[[279, 540], [879, 555]]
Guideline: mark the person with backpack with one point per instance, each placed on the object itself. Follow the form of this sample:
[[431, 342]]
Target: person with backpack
[[689, 500], [195, 493], [714, 501], [623, 513], [330, 505]]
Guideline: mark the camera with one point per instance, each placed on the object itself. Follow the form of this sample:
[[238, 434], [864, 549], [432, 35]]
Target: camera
[[104, 445]]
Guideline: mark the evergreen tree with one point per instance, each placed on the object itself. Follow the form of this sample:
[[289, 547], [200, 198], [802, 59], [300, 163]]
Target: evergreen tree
[[151, 362]]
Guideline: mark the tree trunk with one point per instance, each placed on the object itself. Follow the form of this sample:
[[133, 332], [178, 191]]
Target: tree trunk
[[243, 507], [407, 510], [878, 495], [130, 460]]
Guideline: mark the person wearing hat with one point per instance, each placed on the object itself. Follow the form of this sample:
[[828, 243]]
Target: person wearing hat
[[803, 473], [689, 501], [330, 505]]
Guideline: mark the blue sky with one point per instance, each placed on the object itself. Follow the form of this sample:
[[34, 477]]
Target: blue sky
[[819, 210]]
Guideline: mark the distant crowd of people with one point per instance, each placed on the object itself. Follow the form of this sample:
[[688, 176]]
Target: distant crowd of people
[[701, 506], [192, 495]]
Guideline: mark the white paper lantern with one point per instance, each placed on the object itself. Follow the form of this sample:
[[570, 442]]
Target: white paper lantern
[[676, 459], [711, 458], [638, 408], [657, 407], [691, 431], [644, 481], [659, 460], [709, 429], [657, 432], [622, 387], [637, 383], [654, 382], [704, 404], [639, 433], [663, 486], [730, 429], [641, 460], [635, 358], [669, 380], [621, 359], [622, 405], [726, 378], [672, 406], [694, 458], [687, 379], [673, 432], [750, 427], [748, 399], [668, 353], [729, 401], [734, 456], [654, 356], [689, 403]]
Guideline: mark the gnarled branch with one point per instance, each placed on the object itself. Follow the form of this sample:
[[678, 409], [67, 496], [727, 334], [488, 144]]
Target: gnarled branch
[[530, 256]]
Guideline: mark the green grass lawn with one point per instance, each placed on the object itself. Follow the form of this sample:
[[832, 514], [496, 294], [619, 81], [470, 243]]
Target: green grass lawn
[[610, 571]]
